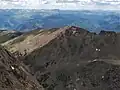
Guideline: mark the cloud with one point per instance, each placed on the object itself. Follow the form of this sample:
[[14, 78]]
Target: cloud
[[60, 4]]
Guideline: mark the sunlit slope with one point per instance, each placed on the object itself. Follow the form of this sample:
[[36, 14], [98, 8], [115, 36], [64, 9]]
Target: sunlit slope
[[32, 40]]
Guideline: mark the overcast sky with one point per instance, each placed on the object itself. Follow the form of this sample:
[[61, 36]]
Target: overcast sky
[[61, 4]]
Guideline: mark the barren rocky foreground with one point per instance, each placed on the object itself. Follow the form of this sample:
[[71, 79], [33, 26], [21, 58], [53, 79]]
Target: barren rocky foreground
[[14, 75], [69, 58]]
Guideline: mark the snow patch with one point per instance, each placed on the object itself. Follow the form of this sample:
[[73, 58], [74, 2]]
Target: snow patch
[[97, 49], [12, 68]]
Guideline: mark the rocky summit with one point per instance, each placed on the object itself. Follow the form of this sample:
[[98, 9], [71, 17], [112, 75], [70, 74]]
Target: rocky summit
[[77, 60]]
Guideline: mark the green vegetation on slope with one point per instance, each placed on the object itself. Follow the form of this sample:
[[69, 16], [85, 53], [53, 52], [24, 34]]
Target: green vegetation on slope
[[6, 37]]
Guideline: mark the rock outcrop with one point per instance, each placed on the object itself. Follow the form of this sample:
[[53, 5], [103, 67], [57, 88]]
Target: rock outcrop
[[14, 75]]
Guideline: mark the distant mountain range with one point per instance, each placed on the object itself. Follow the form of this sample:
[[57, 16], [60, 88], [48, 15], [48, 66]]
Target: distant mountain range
[[25, 20]]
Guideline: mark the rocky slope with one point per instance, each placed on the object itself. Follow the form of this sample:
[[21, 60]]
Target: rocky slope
[[77, 60], [71, 58], [76, 43], [14, 74]]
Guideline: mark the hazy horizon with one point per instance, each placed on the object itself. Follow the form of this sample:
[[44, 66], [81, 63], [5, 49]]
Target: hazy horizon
[[61, 4]]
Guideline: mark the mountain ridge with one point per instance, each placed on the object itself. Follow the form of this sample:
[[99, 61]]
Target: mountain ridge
[[41, 37], [78, 59], [72, 59]]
